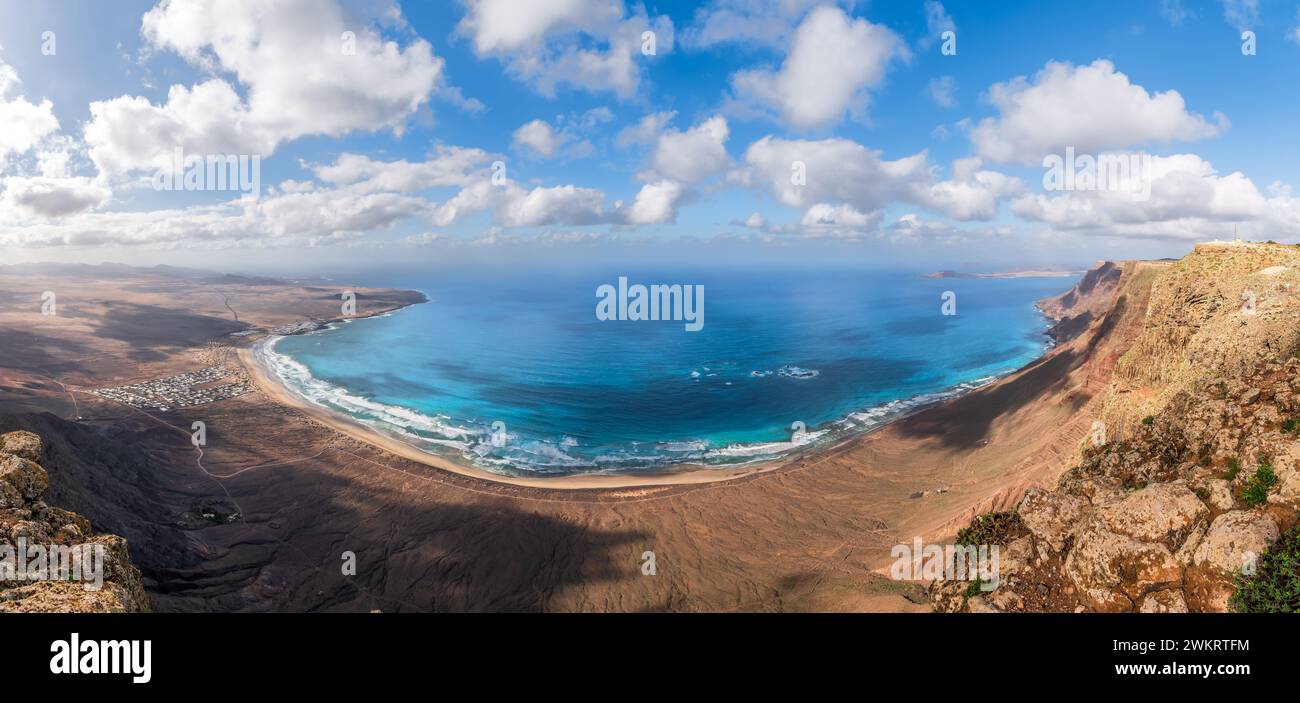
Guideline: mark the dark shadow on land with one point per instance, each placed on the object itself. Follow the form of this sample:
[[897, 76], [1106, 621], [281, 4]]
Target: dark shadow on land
[[415, 551], [148, 327], [964, 422]]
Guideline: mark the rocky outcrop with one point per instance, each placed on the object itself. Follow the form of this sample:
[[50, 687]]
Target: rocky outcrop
[[36, 538], [1196, 471]]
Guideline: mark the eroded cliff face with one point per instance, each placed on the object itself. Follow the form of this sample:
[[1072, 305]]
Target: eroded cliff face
[[1193, 468], [44, 538]]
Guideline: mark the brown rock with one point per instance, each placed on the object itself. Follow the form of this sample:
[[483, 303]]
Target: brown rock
[[1235, 539], [26, 476], [1167, 601], [1113, 571], [1164, 512], [1051, 516], [22, 444]]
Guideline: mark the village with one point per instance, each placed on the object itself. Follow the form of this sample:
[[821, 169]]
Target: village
[[179, 391]]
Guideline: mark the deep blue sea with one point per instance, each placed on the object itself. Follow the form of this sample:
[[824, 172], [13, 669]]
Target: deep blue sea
[[516, 374]]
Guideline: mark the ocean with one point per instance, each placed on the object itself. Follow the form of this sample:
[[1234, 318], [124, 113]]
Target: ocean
[[518, 375]]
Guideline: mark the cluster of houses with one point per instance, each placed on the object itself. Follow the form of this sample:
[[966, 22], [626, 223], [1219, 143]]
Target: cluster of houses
[[180, 391]]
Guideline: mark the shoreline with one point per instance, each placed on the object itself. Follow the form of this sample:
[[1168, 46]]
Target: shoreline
[[274, 390], [676, 475]]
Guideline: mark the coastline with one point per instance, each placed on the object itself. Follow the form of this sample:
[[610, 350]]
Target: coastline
[[679, 475], [275, 391]]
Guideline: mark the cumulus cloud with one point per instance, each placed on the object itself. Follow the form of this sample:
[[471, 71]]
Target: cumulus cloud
[[25, 124], [52, 197], [1188, 198], [646, 129], [587, 44], [1241, 14], [289, 56], [1092, 108], [941, 91], [937, 21], [450, 166], [694, 154], [833, 61], [750, 23], [540, 137], [832, 172], [655, 203]]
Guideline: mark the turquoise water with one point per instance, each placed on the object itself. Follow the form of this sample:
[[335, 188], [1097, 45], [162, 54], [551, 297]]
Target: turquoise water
[[516, 374]]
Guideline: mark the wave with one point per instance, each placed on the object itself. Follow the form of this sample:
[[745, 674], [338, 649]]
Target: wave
[[512, 454]]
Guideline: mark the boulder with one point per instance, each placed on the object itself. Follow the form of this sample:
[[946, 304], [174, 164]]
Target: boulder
[[22, 444], [1114, 571], [1163, 512], [1051, 516], [26, 477], [1231, 545]]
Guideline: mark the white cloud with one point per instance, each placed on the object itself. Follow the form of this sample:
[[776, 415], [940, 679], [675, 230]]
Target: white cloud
[[755, 221], [1092, 108], [838, 216], [25, 124], [971, 194], [541, 42], [548, 141], [833, 61], [1241, 14], [937, 21], [768, 23], [655, 203], [841, 171], [941, 91], [505, 26], [290, 58], [1188, 199], [693, 155], [450, 166], [646, 129], [52, 197], [540, 137]]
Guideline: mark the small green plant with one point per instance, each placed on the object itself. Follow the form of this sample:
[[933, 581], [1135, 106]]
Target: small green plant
[[1203, 493], [992, 528], [1290, 425], [1234, 468], [1257, 488], [1274, 587], [1148, 420]]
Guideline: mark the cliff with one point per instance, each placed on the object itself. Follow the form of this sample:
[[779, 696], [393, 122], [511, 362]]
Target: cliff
[[1188, 487], [33, 532]]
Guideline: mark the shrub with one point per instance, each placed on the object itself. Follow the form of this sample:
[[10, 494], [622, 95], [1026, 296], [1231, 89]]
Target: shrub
[[1148, 420], [992, 528], [1234, 468], [1290, 425], [1275, 585], [1257, 488]]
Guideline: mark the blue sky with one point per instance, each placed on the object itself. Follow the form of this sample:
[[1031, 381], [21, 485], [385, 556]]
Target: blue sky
[[387, 152]]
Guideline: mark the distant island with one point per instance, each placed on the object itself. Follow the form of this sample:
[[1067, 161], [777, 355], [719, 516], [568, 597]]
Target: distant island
[[1016, 273]]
